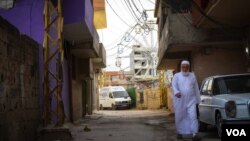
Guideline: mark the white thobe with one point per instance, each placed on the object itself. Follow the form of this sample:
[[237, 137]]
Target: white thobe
[[185, 107]]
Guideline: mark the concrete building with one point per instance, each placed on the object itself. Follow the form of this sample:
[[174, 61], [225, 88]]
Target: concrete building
[[83, 58], [213, 35], [118, 78], [143, 63]]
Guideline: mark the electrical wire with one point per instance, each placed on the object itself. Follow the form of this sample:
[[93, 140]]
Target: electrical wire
[[121, 9], [143, 15], [132, 11], [120, 49], [151, 2], [136, 7], [124, 4], [117, 14], [121, 40], [141, 5], [124, 46], [129, 10], [127, 38]]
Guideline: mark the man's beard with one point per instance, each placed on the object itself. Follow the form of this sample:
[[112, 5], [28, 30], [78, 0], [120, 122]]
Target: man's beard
[[185, 73]]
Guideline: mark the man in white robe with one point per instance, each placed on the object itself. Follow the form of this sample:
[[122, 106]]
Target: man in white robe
[[186, 97]]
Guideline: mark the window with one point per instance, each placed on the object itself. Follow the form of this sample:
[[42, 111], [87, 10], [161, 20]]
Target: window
[[233, 84], [120, 94], [204, 86], [207, 87]]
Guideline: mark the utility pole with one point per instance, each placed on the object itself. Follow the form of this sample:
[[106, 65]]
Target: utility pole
[[53, 54]]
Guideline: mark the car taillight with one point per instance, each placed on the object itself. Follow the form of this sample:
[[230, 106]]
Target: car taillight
[[230, 108]]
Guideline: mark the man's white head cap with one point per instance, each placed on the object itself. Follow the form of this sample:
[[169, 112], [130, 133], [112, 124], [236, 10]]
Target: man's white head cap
[[185, 62]]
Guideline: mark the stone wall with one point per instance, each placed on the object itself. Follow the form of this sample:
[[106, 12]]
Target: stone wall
[[19, 85]]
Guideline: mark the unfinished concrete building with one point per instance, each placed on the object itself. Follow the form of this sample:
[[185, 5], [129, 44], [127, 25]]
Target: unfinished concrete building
[[143, 63]]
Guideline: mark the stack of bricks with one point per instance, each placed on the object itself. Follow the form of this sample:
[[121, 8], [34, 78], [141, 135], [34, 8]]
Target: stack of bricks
[[19, 85]]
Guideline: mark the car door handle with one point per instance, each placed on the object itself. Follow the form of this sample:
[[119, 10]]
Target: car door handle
[[202, 100]]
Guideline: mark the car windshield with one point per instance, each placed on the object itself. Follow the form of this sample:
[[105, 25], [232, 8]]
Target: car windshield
[[120, 94], [232, 85]]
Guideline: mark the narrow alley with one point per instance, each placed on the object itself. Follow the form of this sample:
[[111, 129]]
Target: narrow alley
[[130, 125], [69, 68]]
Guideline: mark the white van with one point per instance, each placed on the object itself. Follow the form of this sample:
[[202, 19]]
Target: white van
[[114, 97]]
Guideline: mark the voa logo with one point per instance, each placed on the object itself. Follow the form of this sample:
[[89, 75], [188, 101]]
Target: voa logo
[[236, 132]]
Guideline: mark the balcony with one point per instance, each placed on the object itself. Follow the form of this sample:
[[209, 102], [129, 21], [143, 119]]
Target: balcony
[[140, 57], [79, 28], [100, 62], [179, 38], [87, 49], [173, 39], [140, 66]]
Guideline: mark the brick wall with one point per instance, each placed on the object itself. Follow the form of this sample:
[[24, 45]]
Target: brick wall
[[19, 85]]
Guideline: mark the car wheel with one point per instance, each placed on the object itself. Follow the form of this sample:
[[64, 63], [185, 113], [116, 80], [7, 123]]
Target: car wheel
[[101, 107], [202, 126], [113, 107], [219, 124]]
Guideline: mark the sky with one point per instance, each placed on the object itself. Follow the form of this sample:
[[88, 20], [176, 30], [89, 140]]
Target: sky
[[125, 27]]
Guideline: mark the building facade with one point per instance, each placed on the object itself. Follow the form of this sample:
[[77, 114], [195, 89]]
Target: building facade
[[143, 63], [83, 58], [118, 78], [207, 33]]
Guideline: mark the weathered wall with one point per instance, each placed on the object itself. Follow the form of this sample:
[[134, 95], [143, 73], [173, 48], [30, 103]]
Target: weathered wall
[[178, 26], [89, 96], [151, 99], [95, 99], [27, 17], [19, 85], [170, 106], [219, 61], [77, 99]]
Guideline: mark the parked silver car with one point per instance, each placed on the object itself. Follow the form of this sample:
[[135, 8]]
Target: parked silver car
[[225, 99]]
